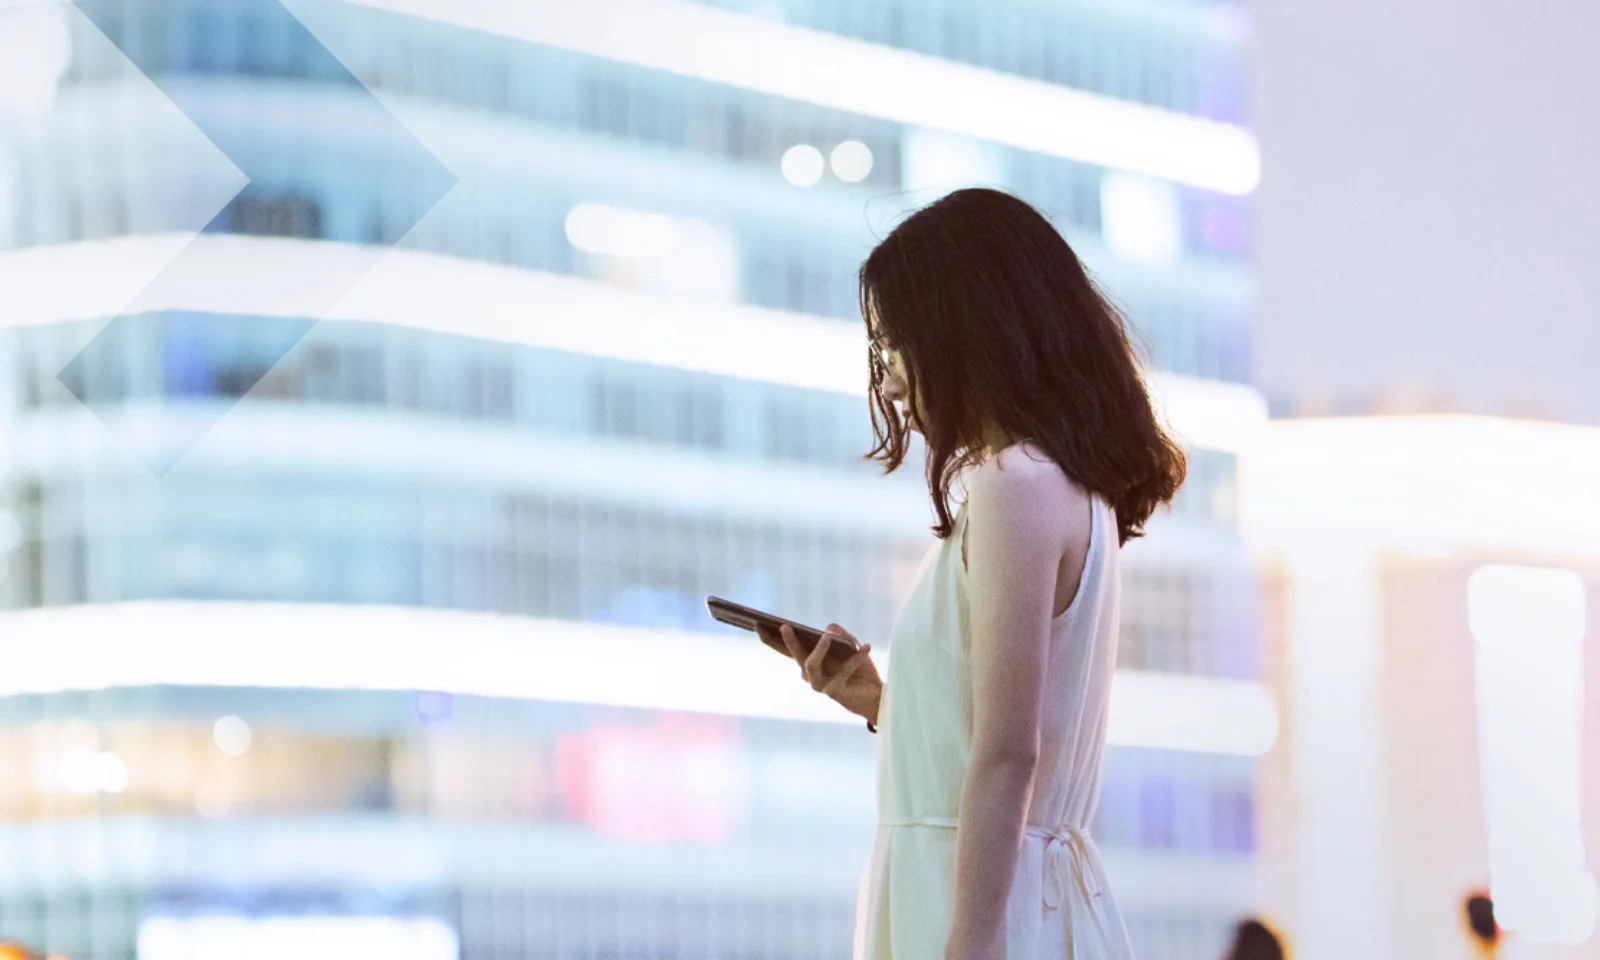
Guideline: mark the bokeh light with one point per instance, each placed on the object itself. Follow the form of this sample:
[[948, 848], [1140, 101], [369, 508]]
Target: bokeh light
[[232, 736], [803, 165], [852, 161]]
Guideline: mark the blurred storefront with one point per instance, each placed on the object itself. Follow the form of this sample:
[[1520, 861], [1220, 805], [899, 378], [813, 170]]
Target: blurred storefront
[[1435, 583]]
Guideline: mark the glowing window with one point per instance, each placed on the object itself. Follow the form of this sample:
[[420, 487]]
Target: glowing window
[[1528, 625]]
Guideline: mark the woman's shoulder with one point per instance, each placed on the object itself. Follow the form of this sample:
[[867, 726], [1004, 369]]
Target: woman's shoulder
[[1024, 478]]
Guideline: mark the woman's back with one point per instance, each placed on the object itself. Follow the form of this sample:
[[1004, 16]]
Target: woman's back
[[1058, 895]]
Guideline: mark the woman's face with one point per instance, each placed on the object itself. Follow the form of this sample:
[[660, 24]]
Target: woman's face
[[895, 387]]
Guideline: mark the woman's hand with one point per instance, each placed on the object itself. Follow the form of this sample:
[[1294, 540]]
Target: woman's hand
[[854, 684]]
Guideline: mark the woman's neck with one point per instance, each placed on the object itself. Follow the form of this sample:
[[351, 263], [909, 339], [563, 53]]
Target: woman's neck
[[995, 439]]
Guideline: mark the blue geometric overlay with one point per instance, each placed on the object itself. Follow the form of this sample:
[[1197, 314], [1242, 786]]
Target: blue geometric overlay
[[261, 207]]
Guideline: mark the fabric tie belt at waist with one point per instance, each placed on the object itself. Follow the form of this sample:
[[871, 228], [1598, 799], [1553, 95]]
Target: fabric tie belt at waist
[[1064, 847]]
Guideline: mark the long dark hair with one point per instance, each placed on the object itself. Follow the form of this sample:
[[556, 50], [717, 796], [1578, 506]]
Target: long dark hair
[[998, 322]]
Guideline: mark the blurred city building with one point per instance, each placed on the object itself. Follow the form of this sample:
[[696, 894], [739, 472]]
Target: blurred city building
[[384, 634], [1433, 588]]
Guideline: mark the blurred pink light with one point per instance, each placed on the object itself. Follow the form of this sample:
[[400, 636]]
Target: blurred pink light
[[680, 778]]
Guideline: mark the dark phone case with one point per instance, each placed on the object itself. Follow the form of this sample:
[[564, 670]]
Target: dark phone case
[[726, 611]]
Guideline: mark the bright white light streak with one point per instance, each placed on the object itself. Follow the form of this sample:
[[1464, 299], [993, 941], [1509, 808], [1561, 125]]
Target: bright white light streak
[[89, 772], [802, 165], [698, 40], [425, 291], [1528, 625], [304, 938], [619, 232], [308, 646]]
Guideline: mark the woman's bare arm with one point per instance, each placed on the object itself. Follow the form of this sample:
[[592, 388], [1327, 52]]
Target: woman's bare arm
[[1020, 514]]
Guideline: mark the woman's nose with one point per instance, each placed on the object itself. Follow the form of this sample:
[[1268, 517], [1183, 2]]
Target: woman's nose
[[894, 389]]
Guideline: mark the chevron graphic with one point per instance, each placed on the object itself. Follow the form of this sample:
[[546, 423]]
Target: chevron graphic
[[266, 204]]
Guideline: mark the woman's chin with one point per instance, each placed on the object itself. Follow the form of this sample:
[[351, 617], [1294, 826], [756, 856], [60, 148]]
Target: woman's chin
[[908, 418]]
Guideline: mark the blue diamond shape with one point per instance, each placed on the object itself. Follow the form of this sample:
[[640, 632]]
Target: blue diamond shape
[[268, 205], [207, 363]]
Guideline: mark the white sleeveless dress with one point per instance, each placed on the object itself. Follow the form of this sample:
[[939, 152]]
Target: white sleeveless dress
[[1060, 906]]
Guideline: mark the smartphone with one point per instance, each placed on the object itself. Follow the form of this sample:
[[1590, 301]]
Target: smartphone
[[840, 649]]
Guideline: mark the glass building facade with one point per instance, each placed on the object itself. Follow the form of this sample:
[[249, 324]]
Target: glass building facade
[[405, 463]]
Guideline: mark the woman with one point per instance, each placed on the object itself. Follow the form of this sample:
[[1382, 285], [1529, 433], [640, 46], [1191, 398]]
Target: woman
[[999, 350]]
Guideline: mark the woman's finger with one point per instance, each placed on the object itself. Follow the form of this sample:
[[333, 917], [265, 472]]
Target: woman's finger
[[836, 684], [815, 661], [793, 643], [787, 634]]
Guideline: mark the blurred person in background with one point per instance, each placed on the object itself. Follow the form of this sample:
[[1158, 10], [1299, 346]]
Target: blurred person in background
[[989, 339], [1254, 940], [1481, 925]]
